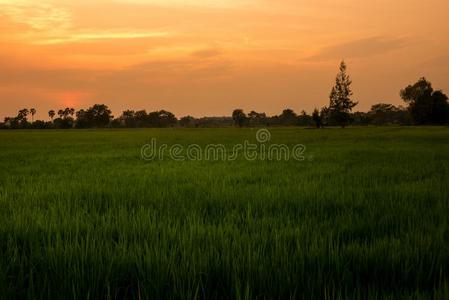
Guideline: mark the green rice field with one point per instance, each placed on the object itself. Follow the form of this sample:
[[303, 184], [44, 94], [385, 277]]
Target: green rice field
[[364, 215]]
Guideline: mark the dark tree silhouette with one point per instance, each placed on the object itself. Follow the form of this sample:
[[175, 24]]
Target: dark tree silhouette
[[288, 117], [66, 113], [188, 121], [82, 119], [128, 117], [325, 116], [304, 119], [317, 119], [239, 117], [23, 113], [20, 121], [51, 114], [426, 106], [99, 115], [141, 118], [32, 112], [257, 119], [341, 104], [166, 119], [440, 108], [384, 114], [65, 119]]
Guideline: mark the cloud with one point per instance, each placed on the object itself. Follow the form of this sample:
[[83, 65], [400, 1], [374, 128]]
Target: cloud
[[48, 24], [198, 3], [99, 35], [41, 16], [359, 48]]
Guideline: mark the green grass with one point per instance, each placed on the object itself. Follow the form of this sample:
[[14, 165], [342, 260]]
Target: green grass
[[365, 215]]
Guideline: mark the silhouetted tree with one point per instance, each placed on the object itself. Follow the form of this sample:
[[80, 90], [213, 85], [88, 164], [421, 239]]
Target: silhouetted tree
[[361, 118], [82, 119], [51, 114], [188, 121], [304, 119], [117, 123], [341, 104], [214, 122], [325, 116], [153, 119], [63, 123], [317, 118], [382, 108], [274, 121], [141, 118], [239, 117], [32, 112], [39, 124], [99, 115], [382, 113], [128, 117], [66, 113], [426, 106], [23, 113], [257, 119], [65, 119], [20, 121], [288, 117], [440, 108], [161, 118], [166, 119], [10, 122]]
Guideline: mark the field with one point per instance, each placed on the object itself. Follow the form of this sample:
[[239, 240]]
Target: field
[[366, 214]]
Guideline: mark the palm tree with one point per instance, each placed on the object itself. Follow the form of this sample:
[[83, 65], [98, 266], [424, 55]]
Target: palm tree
[[64, 113], [23, 113], [61, 113], [51, 114], [33, 112], [70, 111]]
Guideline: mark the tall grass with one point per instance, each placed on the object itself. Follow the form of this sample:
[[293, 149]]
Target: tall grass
[[364, 216]]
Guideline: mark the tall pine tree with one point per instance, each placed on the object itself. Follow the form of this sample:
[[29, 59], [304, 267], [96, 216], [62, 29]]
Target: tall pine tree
[[341, 104]]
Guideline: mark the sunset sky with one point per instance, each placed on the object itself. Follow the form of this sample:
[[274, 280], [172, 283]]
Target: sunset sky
[[203, 57]]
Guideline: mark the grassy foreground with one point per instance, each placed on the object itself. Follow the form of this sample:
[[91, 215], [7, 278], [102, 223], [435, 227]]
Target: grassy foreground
[[365, 215]]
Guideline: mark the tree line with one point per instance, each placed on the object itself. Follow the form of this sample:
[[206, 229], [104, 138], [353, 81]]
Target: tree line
[[425, 106]]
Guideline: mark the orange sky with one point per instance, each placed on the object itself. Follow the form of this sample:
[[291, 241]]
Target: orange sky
[[203, 57]]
